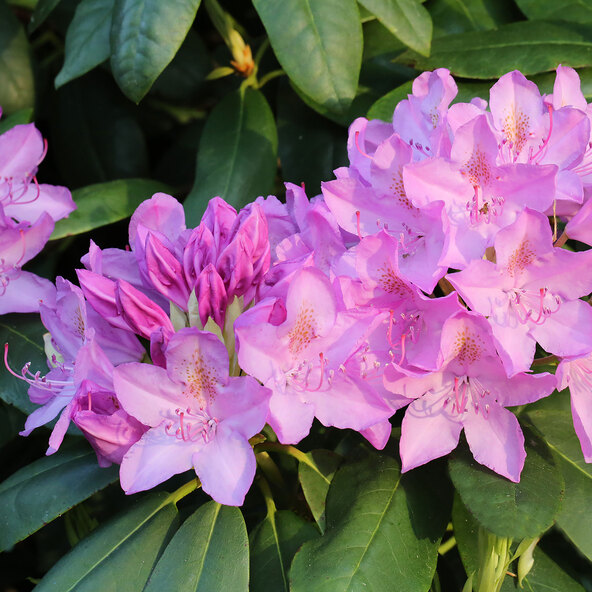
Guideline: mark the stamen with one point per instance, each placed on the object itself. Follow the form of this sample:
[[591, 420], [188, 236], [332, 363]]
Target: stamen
[[357, 142], [358, 224], [546, 142]]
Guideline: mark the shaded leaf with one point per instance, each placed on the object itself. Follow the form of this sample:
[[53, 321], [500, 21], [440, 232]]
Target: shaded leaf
[[96, 136], [274, 543], [530, 46], [45, 489], [182, 79], [315, 481], [459, 16], [310, 147], [209, 552], [552, 417], [508, 509], [87, 39], [17, 90], [383, 532], [119, 553], [24, 335], [379, 41], [408, 20], [17, 118], [11, 422], [105, 203], [43, 9], [577, 11], [145, 37], [308, 38], [237, 153]]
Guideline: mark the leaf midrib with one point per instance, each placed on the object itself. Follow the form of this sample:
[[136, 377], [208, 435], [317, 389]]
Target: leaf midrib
[[207, 544], [366, 547]]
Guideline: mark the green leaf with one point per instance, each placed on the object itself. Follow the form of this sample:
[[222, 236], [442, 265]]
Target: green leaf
[[379, 41], [209, 552], [315, 481], [545, 575], [319, 45], [408, 20], [20, 117], [119, 555], [577, 11], [273, 545], [183, 78], [43, 9], [552, 417], [17, 90], [24, 335], [87, 39], [385, 106], [383, 532], [530, 46], [459, 16], [237, 153], [96, 136], [11, 423], [507, 509], [45, 489], [145, 37], [310, 147], [105, 203]]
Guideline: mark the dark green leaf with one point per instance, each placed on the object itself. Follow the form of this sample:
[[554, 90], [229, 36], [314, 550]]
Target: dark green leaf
[[315, 481], [515, 510], [209, 552], [273, 545], [11, 423], [459, 16], [378, 40], [20, 117], [530, 46], [45, 489], [145, 36], [105, 203], [237, 153], [383, 532], [119, 555], [310, 147], [182, 79], [96, 136], [408, 20], [552, 417], [24, 335], [319, 45], [577, 11], [41, 12], [17, 90], [87, 39]]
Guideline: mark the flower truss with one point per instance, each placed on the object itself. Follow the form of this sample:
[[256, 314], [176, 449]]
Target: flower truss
[[427, 276]]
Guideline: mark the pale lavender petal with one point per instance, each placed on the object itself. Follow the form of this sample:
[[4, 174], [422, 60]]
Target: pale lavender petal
[[153, 459], [378, 435], [290, 417], [496, 441], [26, 292], [226, 467]]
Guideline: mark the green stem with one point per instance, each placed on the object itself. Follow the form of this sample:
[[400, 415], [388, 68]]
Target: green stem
[[183, 491], [270, 469], [289, 450], [268, 496], [445, 547], [270, 76]]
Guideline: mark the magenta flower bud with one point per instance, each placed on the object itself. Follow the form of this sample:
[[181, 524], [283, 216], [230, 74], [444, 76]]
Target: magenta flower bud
[[166, 272], [219, 218], [140, 313], [199, 251], [100, 293], [211, 296]]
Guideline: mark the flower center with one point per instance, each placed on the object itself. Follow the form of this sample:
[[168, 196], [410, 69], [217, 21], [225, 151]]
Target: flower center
[[533, 305], [190, 426], [466, 392]]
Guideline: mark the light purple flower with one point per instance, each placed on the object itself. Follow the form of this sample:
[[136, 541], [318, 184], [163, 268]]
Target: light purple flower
[[197, 415]]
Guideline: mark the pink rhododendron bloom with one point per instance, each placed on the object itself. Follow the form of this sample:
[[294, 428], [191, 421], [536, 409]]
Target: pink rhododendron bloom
[[198, 416], [470, 392], [531, 294], [312, 358]]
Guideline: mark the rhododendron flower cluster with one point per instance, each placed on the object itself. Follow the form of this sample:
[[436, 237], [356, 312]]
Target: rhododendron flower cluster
[[427, 276], [28, 212]]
